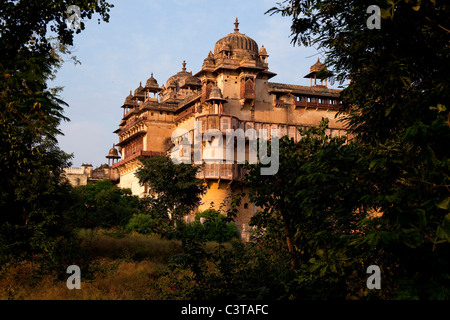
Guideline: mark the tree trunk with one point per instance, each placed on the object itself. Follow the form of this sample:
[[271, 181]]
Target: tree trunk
[[290, 245]]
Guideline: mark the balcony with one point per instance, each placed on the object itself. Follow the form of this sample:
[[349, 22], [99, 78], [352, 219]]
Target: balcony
[[248, 96], [220, 122], [301, 103], [248, 89], [314, 104], [221, 171]]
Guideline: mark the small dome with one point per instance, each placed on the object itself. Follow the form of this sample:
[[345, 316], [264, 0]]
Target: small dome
[[151, 81], [263, 51], [318, 66], [216, 94], [129, 98], [113, 153], [129, 101], [139, 92], [152, 84]]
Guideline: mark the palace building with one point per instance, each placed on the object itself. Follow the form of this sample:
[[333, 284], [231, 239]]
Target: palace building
[[233, 90]]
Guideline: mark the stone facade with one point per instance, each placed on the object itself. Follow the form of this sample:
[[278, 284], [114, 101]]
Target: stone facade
[[232, 90], [86, 174]]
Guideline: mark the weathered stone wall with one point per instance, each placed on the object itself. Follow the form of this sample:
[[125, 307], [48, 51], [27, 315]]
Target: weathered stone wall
[[129, 180]]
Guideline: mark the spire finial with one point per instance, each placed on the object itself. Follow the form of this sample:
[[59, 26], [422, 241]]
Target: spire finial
[[236, 23], [184, 66]]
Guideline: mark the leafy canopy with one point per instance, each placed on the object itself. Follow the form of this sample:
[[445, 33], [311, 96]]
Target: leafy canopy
[[33, 197], [172, 187], [397, 164]]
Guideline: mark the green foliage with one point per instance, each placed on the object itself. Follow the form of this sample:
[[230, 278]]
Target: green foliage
[[320, 211], [322, 201], [103, 205], [26, 24], [215, 227], [174, 188], [240, 271], [144, 224], [171, 284], [33, 198], [33, 203], [311, 209]]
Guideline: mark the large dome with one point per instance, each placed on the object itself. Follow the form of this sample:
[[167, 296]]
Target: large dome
[[237, 42]]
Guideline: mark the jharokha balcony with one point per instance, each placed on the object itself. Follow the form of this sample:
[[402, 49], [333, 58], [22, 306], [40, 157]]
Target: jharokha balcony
[[316, 103], [221, 171]]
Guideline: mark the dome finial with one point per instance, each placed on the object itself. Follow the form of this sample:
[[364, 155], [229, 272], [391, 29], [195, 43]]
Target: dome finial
[[184, 66], [236, 23]]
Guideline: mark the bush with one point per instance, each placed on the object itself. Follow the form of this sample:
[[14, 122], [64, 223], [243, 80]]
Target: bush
[[215, 227], [103, 205], [143, 224]]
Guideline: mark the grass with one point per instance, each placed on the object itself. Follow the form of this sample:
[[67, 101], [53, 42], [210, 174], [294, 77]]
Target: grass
[[125, 266], [127, 280], [116, 245]]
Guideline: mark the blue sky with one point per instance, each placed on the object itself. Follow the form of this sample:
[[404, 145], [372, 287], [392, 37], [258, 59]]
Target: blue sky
[[156, 36]]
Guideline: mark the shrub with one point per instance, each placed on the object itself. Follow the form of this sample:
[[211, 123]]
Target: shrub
[[142, 223], [103, 205], [215, 228]]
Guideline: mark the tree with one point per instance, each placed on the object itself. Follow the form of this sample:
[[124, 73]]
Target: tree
[[26, 24], [103, 205], [32, 194], [311, 209], [33, 208], [215, 227], [395, 108], [174, 188]]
